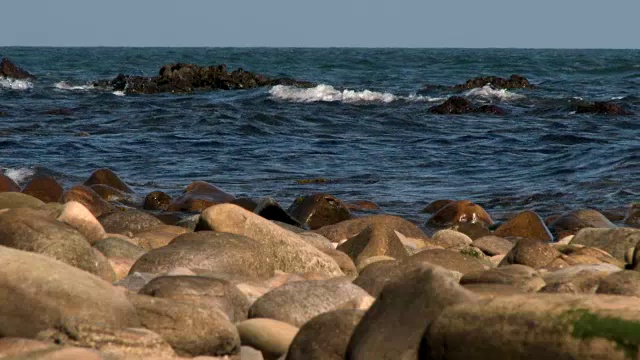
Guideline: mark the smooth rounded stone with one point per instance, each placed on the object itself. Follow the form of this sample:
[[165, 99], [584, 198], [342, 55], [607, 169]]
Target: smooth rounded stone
[[62, 353], [28, 230], [13, 200], [493, 245], [157, 200], [296, 303], [632, 218], [585, 282], [8, 185], [318, 241], [191, 329], [39, 293], [128, 221], [189, 222], [519, 276], [531, 252], [374, 240], [198, 196], [436, 205], [158, 236], [473, 230], [392, 328], [89, 198], [564, 241], [270, 209], [110, 193], [271, 337], [526, 224], [459, 212], [318, 210], [104, 269], [325, 337], [12, 346], [451, 260], [135, 281], [127, 343], [117, 247], [451, 239], [589, 255], [614, 241], [625, 283], [371, 260], [347, 229], [362, 205], [344, 262], [536, 326], [216, 293], [249, 353], [121, 266], [570, 223], [44, 188], [287, 250], [80, 218], [107, 177]]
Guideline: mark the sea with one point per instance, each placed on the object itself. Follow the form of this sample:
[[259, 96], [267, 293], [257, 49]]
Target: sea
[[365, 131]]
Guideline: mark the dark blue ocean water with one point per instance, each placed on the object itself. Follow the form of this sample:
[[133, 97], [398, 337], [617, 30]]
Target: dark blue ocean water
[[367, 128]]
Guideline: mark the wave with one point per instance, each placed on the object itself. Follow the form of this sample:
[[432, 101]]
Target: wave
[[19, 175], [327, 93], [118, 93], [488, 93], [14, 84], [63, 85]]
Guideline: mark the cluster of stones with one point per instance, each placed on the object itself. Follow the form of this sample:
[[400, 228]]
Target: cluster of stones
[[93, 272]]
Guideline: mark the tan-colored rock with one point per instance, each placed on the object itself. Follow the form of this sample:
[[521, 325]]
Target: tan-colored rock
[[451, 240], [128, 221], [570, 223], [270, 336], [107, 177], [198, 196], [81, 219], [344, 262], [110, 193], [119, 248], [44, 188], [493, 245], [373, 259], [459, 212], [13, 346], [319, 210], [121, 266], [451, 260], [577, 255], [375, 240], [526, 224], [521, 277], [12, 200], [89, 198], [625, 283], [531, 252], [159, 236], [344, 230], [614, 241]]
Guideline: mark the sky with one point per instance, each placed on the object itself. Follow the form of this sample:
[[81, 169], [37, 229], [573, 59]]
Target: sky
[[325, 23]]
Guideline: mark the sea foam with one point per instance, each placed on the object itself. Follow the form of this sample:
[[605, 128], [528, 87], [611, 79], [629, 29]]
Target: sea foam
[[19, 175], [488, 93], [63, 85], [327, 93], [15, 84]]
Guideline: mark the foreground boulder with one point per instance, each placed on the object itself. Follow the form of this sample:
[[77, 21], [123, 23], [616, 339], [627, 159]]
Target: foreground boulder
[[319, 210], [10, 70], [614, 241], [271, 337], [526, 224], [375, 240], [181, 78], [513, 82], [570, 223], [89, 198], [40, 293], [531, 252], [128, 221], [516, 277]]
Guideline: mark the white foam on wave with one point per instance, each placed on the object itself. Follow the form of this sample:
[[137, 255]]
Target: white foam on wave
[[327, 93], [488, 93], [63, 85], [15, 84], [19, 175], [118, 93]]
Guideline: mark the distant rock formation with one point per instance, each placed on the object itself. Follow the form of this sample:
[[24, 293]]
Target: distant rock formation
[[514, 82], [10, 70], [184, 78], [602, 107], [460, 105]]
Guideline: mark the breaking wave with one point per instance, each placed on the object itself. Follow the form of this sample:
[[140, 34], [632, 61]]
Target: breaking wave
[[327, 93], [488, 93], [14, 84], [63, 85], [19, 175]]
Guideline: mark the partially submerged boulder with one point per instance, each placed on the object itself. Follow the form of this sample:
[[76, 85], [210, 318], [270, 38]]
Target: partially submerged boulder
[[10, 70]]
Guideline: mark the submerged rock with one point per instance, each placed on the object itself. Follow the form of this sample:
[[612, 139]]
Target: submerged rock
[[10, 70], [514, 82], [602, 107]]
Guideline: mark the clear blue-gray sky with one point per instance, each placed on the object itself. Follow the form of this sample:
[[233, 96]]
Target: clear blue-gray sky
[[301, 23]]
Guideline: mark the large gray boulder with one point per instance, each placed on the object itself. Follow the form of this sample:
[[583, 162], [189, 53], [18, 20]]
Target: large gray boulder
[[614, 241]]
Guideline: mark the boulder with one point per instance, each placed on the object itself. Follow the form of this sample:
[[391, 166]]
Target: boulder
[[570, 223], [44, 188], [513, 82], [625, 283], [13, 346], [198, 196], [11, 200], [209, 292], [128, 221], [318, 210], [436, 205], [578, 279], [375, 240], [313, 341], [459, 212], [271, 337], [118, 247], [493, 245], [521, 277], [614, 241], [191, 329], [362, 205], [158, 236], [9, 70], [7, 184], [89, 198], [451, 240], [344, 230], [80, 218], [109, 178], [343, 260], [451, 260], [531, 252], [110, 193], [392, 328], [40, 293], [601, 107], [453, 105], [270, 209], [297, 302], [580, 255], [632, 218], [157, 200], [526, 224]]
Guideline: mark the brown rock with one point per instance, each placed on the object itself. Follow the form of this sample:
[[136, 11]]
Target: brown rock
[[581, 283], [526, 224], [459, 212], [625, 283], [344, 230], [270, 336], [375, 240], [343, 260], [577, 255], [109, 193], [531, 252], [453, 105], [521, 277], [436, 205], [107, 177], [570, 223], [159, 236], [8, 185], [10, 70], [157, 200], [450, 260], [451, 240], [473, 230], [89, 198], [514, 82], [112, 246], [11, 200], [633, 216], [44, 188], [198, 196], [128, 221], [121, 266], [319, 210], [614, 241], [80, 218], [362, 205], [493, 245]]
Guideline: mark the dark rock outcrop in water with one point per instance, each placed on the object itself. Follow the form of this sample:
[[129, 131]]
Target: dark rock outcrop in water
[[514, 82], [602, 107], [10, 70], [181, 78], [460, 105]]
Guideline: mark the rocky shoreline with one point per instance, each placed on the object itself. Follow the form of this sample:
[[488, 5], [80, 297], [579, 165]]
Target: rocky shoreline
[[95, 272]]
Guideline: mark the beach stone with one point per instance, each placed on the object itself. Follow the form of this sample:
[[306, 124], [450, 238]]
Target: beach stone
[[451, 260], [347, 229], [374, 240], [271, 337], [157, 200], [531, 252], [249, 353], [117, 247], [109, 193], [536, 326], [128, 221], [104, 269], [297, 302], [362, 205], [39, 293], [526, 224], [451, 239], [7, 184], [270, 209], [570, 223], [44, 188], [191, 329], [436, 205], [513, 82], [493, 245], [158, 236], [577, 255], [10, 70], [318, 210], [89, 198], [14, 346], [453, 105], [473, 230], [288, 250], [121, 266], [614, 241], [459, 212], [107, 177], [632, 218], [585, 282], [625, 283], [520, 277], [63, 353], [80, 218], [318, 241], [392, 328], [12, 200], [601, 107], [374, 259], [209, 292], [198, 196], [313, 343], [29, 230], [135, 281], [343, 260]]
